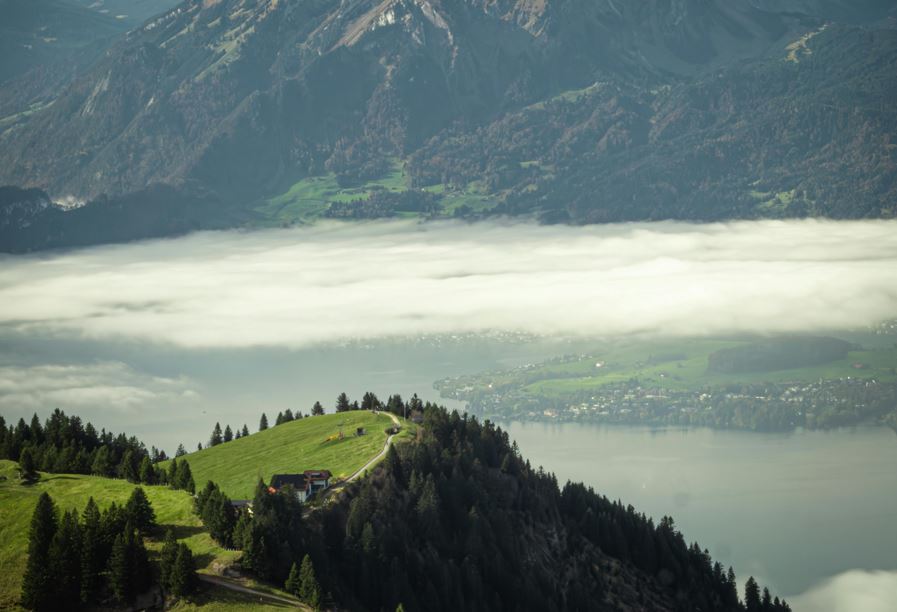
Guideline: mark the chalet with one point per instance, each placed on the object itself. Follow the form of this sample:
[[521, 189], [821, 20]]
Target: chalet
[[318, 479], [298, 482], [304, 485]]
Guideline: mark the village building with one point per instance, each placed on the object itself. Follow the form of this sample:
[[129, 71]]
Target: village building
[[304, 485]]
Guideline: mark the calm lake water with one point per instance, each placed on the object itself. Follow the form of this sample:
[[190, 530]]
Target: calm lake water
[[790, 509]]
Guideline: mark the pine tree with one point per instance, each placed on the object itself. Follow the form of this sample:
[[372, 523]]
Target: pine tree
[[139, 512], [215, 440], [317, 409], [183, 575], [245, 431], [263, 423], [342, 403], [751, 595], [309, 589], [147, 472], [167, 559], [278, 420], [173, 473], [27, 468], [91, 559], [65, 561], [181, 451], [184, 478], [228, 434], [127, 468], [37, 583], [102, 462], [292, 585], [288, 416], [120, 569]]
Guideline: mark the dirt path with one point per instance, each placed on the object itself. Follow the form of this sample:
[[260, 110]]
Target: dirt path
[[236, 586]]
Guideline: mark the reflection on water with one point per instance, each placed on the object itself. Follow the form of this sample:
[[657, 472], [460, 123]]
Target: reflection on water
[[790, 509]]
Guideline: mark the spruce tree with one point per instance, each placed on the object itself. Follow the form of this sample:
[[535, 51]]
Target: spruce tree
[[102, 462], [37, 583], [317, 409], [65, 561], [91, 559], [263, 422], [140, 512], [120, 569], [27, 468], [292, 584], [183, 575], [228, 434], [173, 473], [245, 431], [288, 416], [342, 403], [147, 471], [751, 595], [167, 559], [127, 468], [181, 451], [184, 478], [215, 440], [309, 589]]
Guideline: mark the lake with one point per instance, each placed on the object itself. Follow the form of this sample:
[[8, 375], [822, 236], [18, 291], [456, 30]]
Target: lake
[[789, 509]]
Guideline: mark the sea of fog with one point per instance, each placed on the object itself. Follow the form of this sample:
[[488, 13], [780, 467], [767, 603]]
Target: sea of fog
[[163, 338]]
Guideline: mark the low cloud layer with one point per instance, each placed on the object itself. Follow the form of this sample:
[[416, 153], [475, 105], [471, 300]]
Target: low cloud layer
[[111, 384], [850, 592], [300, 287]]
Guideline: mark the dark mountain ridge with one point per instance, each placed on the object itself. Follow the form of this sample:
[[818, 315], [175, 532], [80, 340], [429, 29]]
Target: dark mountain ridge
[[570, 110]]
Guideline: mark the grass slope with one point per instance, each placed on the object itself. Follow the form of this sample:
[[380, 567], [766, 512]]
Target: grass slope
[[289, 448], [173, 509]]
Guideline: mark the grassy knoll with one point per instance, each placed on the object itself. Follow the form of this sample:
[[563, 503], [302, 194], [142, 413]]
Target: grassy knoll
[[292, 447], [173, 508]]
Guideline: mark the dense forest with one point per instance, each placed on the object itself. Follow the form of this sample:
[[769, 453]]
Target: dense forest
[[456, 519], [65, 445]]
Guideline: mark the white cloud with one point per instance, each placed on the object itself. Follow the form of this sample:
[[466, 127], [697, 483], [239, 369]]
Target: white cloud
[[850, 592], [333, 282], [25, 389]]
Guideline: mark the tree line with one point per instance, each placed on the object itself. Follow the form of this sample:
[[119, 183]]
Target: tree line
[[77, 561]]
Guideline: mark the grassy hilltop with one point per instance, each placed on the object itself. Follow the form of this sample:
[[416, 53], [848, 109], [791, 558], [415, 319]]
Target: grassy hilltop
[[304, 444], [173, 509]]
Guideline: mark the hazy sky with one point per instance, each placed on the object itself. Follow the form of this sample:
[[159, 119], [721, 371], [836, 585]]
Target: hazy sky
[[294, 288]]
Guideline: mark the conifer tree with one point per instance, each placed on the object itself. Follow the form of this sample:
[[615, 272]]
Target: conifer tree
[[342, 403], [228, 434], [751, 595], [278, 420], [102, 462], [147, 471], [263, 423], [173, 473], [37, 583], [120, 569], [184, 478], [215, 440], [127, 468], [292, 584], [167, 559], [91, 559], [27, 468], [317, 409], [183, 575], [181, 451], [245, 431], [139, 512], [65, 561], [309, 589]]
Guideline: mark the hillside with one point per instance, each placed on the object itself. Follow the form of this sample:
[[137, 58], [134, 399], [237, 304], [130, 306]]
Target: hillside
[[567, 111], [304, 444], [173, 508]]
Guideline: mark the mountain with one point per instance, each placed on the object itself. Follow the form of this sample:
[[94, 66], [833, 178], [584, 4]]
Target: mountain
[[573, 110]]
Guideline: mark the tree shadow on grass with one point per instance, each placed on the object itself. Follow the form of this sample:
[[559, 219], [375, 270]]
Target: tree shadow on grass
[[181, 531]]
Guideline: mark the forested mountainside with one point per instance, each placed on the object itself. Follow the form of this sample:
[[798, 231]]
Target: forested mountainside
[[455, 519], [576, 111]]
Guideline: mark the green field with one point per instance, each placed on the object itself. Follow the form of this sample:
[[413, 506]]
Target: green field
[[674, 364], [173, 508], [289, 448], [308, 199]]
